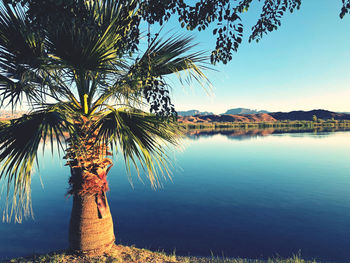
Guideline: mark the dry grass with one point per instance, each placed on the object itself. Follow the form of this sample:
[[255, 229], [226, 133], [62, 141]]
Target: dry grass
[[124, 254], [118, 254]]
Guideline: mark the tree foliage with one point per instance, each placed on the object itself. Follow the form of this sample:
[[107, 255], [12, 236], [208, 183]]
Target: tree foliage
[[345, 8], [223, 15], [85, 91]]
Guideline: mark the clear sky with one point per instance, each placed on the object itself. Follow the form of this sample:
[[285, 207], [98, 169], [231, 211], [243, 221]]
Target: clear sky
[[303, 65]]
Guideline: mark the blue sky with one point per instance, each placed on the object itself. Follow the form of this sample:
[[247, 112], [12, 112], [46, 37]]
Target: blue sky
[[303, 65]]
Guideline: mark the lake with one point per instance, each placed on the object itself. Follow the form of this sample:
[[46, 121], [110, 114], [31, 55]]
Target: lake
[[252, 195]]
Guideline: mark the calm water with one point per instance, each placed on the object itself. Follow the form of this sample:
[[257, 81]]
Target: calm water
[[233, 194]]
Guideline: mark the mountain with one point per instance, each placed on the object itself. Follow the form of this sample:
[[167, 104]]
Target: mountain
[[308, 115], [193, 112], [8, 114], [264, 117], [227, 118], [236, 111]]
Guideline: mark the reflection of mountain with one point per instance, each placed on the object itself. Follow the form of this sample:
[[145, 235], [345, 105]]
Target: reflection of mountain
[[241, 134], [236, 134]]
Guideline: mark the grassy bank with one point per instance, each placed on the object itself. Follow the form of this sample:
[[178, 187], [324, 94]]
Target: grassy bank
[[124, 254], [320, 124]]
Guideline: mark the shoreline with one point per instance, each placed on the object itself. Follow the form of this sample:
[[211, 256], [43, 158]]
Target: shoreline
[[267, 125]]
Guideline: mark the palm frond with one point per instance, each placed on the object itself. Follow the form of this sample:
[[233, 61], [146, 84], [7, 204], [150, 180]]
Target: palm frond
[[19, 142], [141, 137], [20, 43], [14, 93], [171, 56], [22, 59], [104, 13], [93, 44], [125, 90], [162, 58]]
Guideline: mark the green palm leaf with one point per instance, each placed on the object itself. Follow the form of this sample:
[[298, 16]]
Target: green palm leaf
[[20, 43], [26, 72], [139, 135], [162, 58], [21, 56], [170, 56], [19, 143], [95, 42]]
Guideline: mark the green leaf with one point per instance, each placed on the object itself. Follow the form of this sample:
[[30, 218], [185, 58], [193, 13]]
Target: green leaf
[[19, 143], [140, 137]]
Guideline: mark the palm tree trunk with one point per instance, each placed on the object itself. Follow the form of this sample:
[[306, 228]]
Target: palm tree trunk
[[89, 232], [91, 225]]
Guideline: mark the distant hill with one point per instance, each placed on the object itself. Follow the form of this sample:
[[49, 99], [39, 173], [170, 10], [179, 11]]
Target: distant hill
[[8, 114], [193, 113], [236, 111], [308, 115], [227, 118], [264, 117]]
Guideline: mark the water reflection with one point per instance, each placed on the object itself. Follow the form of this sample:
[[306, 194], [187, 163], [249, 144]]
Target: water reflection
[[247, 134], [279, 194]]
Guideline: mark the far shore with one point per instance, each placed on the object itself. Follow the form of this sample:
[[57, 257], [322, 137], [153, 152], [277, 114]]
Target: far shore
[[301, 124]]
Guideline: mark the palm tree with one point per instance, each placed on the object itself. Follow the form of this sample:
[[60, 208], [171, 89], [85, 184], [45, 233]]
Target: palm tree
[[86, 94]]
